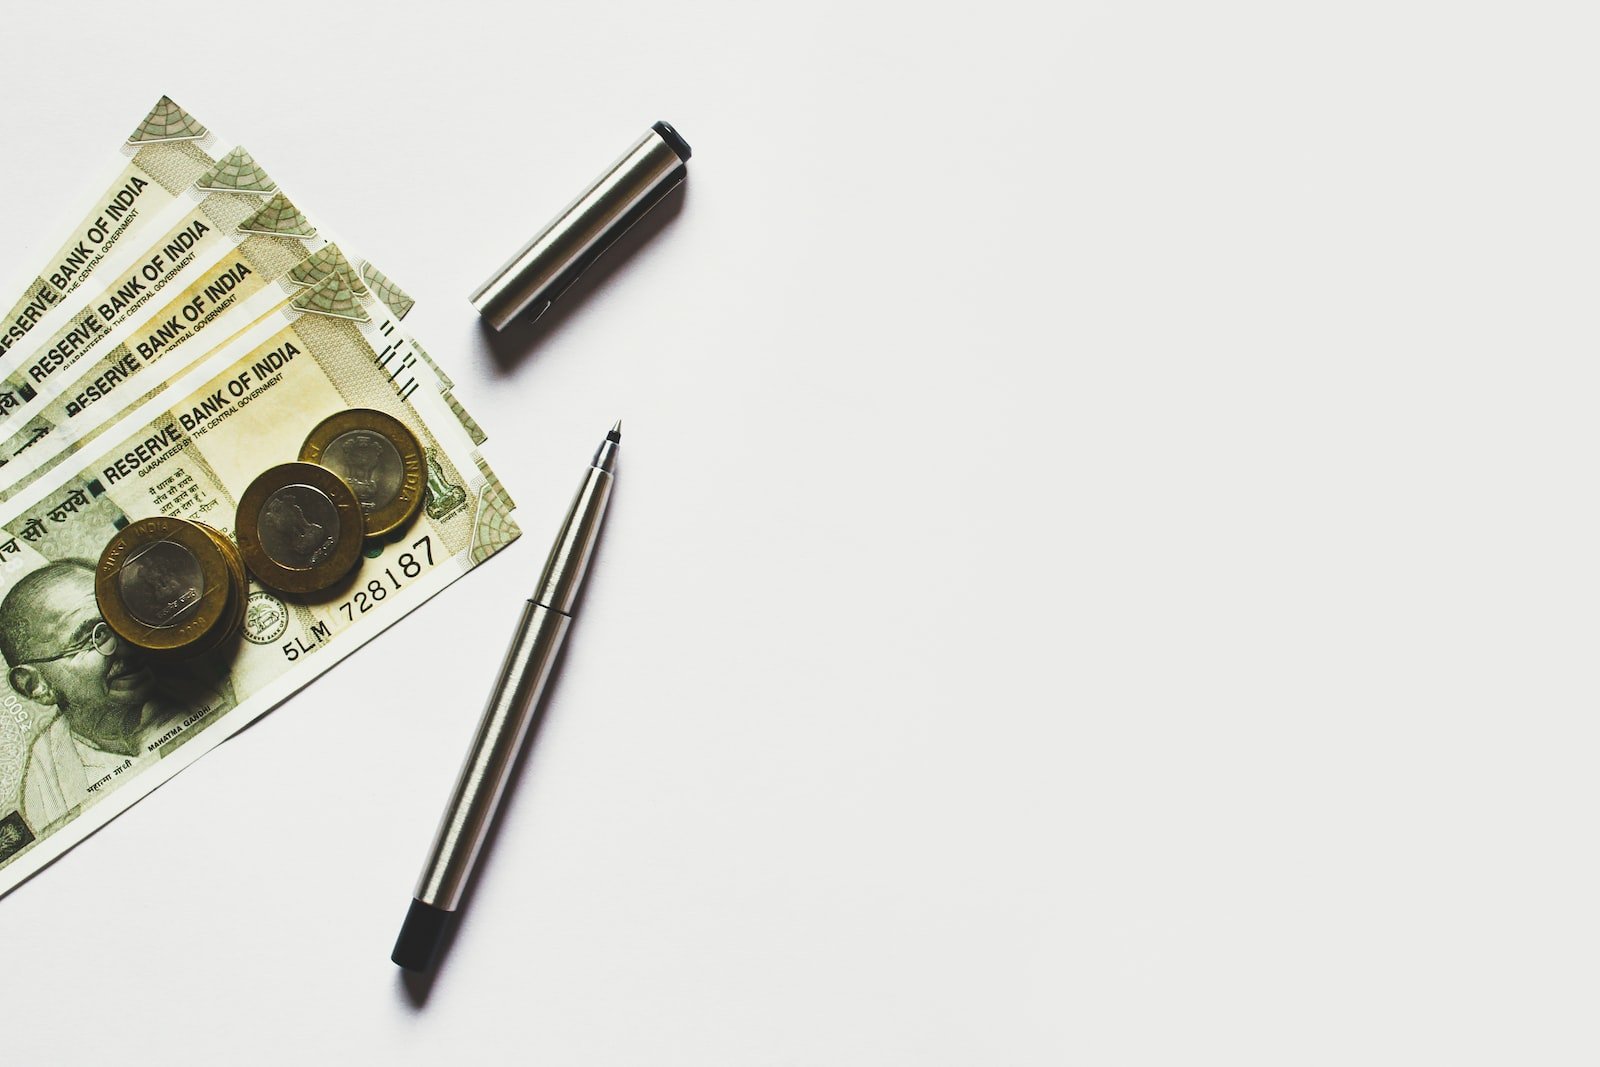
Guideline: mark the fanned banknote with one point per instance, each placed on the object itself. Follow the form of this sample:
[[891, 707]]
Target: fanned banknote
[[92, 368], [226, 301], [87, 726], [192, 234]]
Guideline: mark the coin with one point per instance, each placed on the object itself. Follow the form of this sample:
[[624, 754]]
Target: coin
[[299, 527], [163, 584], [378, 458]]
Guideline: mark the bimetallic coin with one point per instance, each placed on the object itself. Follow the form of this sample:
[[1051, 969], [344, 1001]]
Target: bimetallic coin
[[299, 528], [379, 458], [163, 585]]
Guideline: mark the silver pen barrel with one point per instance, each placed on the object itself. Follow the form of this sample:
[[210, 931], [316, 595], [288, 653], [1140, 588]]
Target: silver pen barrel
[[569, 556], [534, 647], [538, 639]]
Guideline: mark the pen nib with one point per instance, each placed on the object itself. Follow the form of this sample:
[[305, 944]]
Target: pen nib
[[605, 456]]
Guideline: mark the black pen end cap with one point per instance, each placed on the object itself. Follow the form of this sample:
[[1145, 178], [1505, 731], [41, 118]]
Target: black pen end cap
[[674, 140], [421, 936]]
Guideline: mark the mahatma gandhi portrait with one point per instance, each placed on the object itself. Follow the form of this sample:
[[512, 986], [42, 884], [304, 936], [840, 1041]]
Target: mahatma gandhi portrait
[[61, 653]]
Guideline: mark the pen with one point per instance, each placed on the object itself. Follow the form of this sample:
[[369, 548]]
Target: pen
[[533, 649]]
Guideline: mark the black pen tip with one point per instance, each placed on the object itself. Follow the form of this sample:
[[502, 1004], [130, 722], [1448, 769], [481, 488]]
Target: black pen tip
[[615, 436], [420, 936]]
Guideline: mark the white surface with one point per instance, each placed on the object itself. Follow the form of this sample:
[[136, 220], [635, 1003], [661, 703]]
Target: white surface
[[1102, 571]]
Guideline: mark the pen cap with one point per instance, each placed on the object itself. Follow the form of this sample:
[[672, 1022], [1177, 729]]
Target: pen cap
[[534, 277]]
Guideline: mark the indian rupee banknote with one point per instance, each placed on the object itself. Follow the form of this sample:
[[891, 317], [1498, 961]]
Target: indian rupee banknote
[[211, 218], [87, 727], [70, 408], [134, 333]]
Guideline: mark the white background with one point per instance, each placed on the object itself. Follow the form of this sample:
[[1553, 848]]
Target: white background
[[1102, 570]]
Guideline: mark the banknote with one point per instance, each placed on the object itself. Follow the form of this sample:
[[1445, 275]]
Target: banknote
[[284, 301], [130, 333], [68, 409], [79, 416], [86, 726], [165, 154], [225, 212]]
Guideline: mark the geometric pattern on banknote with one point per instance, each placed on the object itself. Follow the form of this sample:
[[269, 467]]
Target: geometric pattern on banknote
[[322, 263], [279, 218], [274, 257], [16, 734], [226, 210], [33, 476], [445, 384], [444, 379], [237, 172], [332, 296], [344, 354], [493, 528], [464, 417], [394, 298], [167, 122], [173, 165], [444, 496]]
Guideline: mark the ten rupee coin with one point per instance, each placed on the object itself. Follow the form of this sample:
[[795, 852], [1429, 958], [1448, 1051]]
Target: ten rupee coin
[[163, 584], [300, 528], [378, 458]]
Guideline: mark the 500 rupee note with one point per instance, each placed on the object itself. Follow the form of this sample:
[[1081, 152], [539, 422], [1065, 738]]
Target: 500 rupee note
[[232, 210], [65, 411], [133, 334], [85, 734], [169, 143]]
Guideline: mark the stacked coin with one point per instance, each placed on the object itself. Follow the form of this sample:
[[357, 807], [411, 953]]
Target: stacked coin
[[171, 586], [234, 621], [302, 525]]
